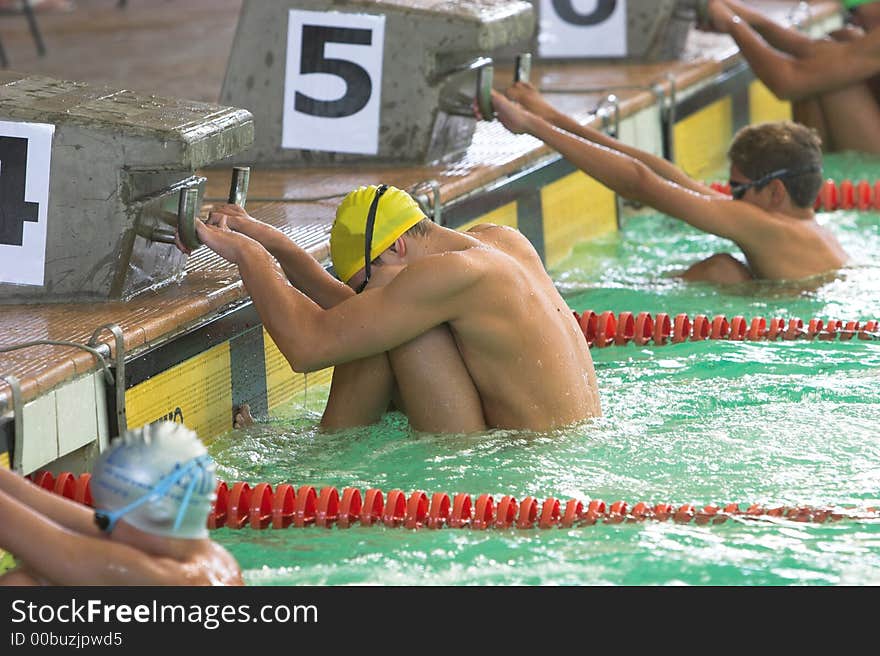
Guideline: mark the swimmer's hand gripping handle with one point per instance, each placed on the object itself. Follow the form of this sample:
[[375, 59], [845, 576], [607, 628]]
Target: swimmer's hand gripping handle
[[185, 221], [187, 210]]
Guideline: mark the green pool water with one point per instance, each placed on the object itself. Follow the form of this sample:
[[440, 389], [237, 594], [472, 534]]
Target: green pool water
[[707, 422]]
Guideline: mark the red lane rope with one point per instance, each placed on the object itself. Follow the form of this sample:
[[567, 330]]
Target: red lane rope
[[261, 507], [605, 329], [845, 195]]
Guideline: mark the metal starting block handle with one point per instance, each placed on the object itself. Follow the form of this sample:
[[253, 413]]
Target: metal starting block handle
[[522, 71], [485, 77], [238, 189], [182, 222], [187, 210], [462, 103]]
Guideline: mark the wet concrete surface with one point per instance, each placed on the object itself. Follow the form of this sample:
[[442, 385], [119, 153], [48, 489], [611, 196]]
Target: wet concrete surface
[[176, 48]]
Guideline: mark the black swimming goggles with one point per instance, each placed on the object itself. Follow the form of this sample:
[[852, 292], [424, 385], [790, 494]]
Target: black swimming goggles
[[739, 189], [368, 235]]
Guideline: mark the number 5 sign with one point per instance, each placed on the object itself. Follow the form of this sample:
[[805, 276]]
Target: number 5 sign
[[333, 82], [582, 28]]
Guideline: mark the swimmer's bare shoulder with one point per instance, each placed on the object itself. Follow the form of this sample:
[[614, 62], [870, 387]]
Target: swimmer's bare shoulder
[[510, 240], [213, 565]]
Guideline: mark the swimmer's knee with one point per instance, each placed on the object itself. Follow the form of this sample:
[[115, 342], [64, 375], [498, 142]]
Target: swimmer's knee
[[722, 259], [719, 268]]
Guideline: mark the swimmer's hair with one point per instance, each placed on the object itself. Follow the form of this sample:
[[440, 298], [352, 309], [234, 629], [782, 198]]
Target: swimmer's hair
[[420, 229], [757, 150]]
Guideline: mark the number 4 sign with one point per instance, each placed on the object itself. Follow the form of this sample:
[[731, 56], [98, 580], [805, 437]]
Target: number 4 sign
[[333, 82], [25, 153], [582, 28]]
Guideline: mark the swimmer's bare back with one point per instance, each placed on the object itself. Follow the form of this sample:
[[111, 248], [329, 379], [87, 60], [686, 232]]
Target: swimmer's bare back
[[551, 380]]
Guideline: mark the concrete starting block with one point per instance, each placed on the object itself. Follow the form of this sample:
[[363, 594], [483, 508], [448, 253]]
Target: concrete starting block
[[636, 30], [395, 81], [93, 183]]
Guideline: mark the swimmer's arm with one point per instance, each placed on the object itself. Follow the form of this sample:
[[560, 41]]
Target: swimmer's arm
[[421, 297], [66, 557], [660, 166], [67, 513], [830, 65], [424, 295], [625, 175], [741, 222], [585, 147], [782, 37], [632, 179], [301, 269], [534, 102]]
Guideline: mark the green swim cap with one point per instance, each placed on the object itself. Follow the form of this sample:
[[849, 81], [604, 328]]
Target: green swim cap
[[851, 4]]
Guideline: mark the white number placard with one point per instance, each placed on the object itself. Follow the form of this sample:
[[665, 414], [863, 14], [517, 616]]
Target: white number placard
[[333, 82], [582, 28], [25, 156]]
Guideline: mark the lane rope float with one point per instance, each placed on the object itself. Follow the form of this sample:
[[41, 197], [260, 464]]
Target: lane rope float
[[845, 195], [607, 329], [261, 506]]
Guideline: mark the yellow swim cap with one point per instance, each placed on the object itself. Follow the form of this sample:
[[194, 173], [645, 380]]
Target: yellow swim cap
[[396, 213]]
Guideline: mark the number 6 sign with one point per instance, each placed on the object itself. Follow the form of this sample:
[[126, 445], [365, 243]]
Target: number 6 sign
[[333, 82], [582, 28]]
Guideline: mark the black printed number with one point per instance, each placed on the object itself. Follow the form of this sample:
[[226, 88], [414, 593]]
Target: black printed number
[[567, 12], [14, 209], [358, 89]]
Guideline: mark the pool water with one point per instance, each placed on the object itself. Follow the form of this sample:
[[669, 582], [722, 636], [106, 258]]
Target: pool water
[[701, 422]]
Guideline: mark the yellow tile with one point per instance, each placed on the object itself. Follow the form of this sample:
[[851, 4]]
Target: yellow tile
[[575, 208], [504, 215], [765, 107], [197, 393], [702, 139], [283, 384], [322, 377]]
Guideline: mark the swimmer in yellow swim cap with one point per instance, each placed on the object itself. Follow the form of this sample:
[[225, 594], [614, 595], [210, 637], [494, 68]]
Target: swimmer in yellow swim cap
[[360, 226], [833, 81], [425, 378], [407, 276], [153, 489]]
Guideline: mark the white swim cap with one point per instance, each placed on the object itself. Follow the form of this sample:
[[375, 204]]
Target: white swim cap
[[158, 478]]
